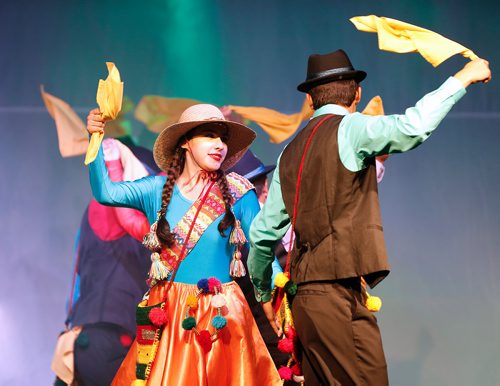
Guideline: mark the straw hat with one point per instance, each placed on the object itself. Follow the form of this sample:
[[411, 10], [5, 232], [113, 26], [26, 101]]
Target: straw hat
[[240, 136]]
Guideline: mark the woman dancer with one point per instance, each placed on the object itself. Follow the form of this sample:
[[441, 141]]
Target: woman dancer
[[194, 326]]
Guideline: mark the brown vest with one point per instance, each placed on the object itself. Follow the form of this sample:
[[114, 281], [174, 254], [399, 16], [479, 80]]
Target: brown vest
[[338, 228]]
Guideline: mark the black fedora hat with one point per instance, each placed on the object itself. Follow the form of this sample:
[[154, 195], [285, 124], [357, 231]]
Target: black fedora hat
[[328, 68], [250, 167]]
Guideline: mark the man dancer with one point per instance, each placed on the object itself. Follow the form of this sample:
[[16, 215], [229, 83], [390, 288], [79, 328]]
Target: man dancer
[[339, 236]]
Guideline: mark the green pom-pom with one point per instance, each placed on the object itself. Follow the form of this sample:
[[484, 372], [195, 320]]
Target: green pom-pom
[[290, 288], [189, 323], [82, 340], [58, 382], [219, 322]]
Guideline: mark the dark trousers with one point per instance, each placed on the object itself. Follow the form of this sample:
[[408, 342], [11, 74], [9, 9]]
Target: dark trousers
[[97, 361], [340, 337]]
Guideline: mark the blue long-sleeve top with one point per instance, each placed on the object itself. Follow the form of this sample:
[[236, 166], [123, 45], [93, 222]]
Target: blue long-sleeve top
[[212, 254]]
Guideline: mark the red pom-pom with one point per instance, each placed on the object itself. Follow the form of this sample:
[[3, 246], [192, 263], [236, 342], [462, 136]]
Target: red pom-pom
[[296, 369], [125, 340], [290, 333], [158, 316], [285, 345], [213, 284], [205, 340], [285, 373]]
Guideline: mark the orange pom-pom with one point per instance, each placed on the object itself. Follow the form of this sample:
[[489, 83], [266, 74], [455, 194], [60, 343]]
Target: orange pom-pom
[[192, 301]]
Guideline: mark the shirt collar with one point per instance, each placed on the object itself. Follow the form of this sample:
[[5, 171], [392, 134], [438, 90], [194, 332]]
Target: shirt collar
[[330, 109]]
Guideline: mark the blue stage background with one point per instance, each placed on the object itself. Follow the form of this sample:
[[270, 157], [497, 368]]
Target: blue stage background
[[440, 320]]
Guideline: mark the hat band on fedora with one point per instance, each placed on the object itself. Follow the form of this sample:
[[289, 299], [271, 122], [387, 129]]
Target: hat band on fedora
[[330, 72]]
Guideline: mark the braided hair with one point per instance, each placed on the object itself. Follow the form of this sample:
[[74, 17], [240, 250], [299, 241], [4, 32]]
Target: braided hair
[[228, 220], [163, 232]]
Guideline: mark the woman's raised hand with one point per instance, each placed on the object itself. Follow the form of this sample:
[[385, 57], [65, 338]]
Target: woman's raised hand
[[95, 121]]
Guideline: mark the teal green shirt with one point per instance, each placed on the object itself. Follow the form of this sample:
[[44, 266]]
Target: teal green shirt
[[360, 137]]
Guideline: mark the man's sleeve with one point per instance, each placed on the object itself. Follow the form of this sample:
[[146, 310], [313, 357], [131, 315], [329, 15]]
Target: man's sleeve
[[362, 136], [268, 227]]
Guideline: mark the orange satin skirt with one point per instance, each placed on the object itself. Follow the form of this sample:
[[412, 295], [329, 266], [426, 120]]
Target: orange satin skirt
[[238, 356]]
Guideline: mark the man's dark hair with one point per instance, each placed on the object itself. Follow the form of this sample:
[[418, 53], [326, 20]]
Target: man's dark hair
[[339, 92]]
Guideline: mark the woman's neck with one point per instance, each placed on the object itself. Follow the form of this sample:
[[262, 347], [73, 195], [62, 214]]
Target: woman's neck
[[193, 181]]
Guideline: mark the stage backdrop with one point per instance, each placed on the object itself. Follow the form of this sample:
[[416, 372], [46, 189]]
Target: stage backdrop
[[440, 320]]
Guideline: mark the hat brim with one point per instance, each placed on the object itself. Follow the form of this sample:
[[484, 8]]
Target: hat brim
[[240, 139], [255, 174], [357, 75]]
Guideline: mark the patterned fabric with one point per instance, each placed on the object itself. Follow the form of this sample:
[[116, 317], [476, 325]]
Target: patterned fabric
[[147, 338]]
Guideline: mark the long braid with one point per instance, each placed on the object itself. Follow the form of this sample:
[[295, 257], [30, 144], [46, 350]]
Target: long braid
[[163, 232], [228, 220]]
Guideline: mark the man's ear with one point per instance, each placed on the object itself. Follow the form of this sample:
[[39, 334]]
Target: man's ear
[[357, 98], [310, 101]]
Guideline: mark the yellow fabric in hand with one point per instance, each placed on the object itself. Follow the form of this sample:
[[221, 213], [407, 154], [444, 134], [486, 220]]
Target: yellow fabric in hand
[[397, 36], [279, 126], [109, 98]]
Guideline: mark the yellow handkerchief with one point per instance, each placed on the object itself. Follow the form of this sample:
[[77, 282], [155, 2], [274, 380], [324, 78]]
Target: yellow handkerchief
[[71, 133], [397, 36], [158, 112], [279, 126], [374, 107], [109, 98]]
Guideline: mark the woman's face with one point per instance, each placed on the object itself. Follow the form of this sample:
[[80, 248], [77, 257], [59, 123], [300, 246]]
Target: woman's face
[[206, 146]]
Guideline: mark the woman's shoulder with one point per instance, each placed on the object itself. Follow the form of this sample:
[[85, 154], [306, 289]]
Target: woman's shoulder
[[238, 185]]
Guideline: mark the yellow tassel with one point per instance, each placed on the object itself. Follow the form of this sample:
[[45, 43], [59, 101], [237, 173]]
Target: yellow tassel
[[373, 303], [138, 382], [281, 279], [288, 313]]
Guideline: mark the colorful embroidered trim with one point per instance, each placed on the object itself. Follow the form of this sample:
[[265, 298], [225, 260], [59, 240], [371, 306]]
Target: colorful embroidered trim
[[210, 286], [238, 185], [150, 321]]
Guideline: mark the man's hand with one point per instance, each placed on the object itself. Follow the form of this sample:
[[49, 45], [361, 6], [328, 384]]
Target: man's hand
[[95, 122], [477, 70], [271, 317]]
